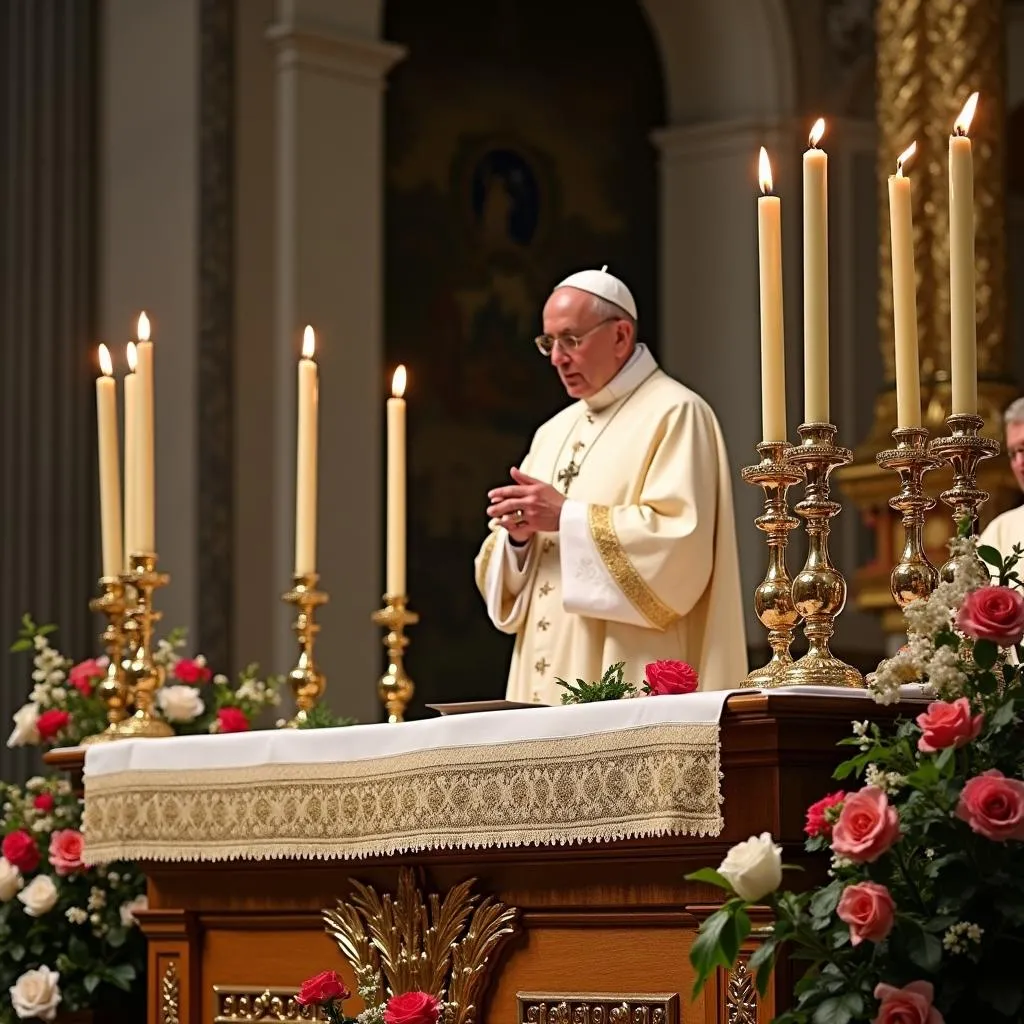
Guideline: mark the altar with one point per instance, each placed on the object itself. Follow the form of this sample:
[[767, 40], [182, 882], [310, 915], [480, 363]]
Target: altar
[[575, 828]]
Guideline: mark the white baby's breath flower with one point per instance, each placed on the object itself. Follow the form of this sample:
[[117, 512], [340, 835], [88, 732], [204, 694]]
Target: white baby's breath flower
[[959, 937], [97, 899], [39, 642], [76, 915]]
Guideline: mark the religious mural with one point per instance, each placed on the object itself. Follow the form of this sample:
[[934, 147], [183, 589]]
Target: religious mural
[[518, 151]]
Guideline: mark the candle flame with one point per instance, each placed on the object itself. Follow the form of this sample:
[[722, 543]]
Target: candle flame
[[902, 159], [817, 131], [106, 366], [142, 331], [308, 342], [764, 171], [133, 356], [963, 123], [398, 382]]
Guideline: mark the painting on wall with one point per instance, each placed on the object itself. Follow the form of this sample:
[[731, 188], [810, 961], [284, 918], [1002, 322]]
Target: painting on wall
[[518, 151]]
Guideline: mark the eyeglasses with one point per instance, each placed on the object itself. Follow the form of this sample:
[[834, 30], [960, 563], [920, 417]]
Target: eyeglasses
[[567, 342]]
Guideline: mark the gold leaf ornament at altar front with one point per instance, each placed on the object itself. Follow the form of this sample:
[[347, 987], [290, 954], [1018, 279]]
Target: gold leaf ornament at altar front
[[443, 946]]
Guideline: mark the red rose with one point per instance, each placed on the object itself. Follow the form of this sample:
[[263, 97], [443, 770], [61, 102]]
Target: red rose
[[232, 720], [43, 802], [948, 724], [665, 677], [911, 1004], [993, 613], [66, 851], [51, 722], [85, 674], [869, 911], [992, 805], [21, 850], [412, 1008], [867, 826], [325, 987], [191, 671], [819, 822]]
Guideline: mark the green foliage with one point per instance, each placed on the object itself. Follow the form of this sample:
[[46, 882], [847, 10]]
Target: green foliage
[[322, 717], [611, 686]]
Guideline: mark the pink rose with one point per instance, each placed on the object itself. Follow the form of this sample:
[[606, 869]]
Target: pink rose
[[664, 677], [911, 1004], [84, 675], [232, 720], [993, 613], [993, 806], [21, 850], [192, 671], [867, 826], [868, 909], [412, 1008], [948, 724], [43, 802], [51, 722], [66, 851], [323, 989], [819, 821]]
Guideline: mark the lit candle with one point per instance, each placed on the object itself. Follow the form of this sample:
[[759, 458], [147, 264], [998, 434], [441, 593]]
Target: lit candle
[[963, 346], [904, 296], [773, 353], [110, 470], [305, 459], [396, 486], [816, 405], [144, 527], [131, 457]]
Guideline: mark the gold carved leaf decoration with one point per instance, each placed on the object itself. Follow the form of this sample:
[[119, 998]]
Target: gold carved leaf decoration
[[242, 1005], [170, 994], [440, 945], [741, 996], [598, 1008]]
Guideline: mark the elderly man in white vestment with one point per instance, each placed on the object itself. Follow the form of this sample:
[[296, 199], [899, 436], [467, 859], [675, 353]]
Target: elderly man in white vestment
[[615, 538], [1008, 529]]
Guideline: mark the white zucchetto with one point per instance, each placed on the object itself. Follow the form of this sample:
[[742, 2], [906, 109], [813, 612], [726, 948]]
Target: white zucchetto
[[604, 285]]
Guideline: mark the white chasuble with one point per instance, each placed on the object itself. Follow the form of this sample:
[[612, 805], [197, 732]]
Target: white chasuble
[[644, 565]]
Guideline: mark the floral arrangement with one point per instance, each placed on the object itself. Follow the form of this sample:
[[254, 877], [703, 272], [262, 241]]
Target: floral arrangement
[[660, 677], [64, 707], [922, 919], [68, 934], [328, 992]]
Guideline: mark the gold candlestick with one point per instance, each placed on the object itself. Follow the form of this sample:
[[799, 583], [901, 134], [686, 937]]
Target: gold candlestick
[[964, 449], [142, 675], [819, 590], [773, 599], [112, 689], [395, 688], [306, 680], [913, 576]]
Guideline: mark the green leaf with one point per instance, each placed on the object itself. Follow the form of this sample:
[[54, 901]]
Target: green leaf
[[761, 963], [1004, 993], [121, 975], [925, 950], [989, 554], [21, 645], [1003, 716], [78, 951], [16, 952], [839, 1009], [826, 900], [115, 938], [707, 953], [985, 653], [711, 876], [91, 983]]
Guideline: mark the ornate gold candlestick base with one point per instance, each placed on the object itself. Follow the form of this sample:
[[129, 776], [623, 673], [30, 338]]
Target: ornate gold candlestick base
[[819, 590], [773, 599], [963, 449], [112, 689], [306, 680], [142, 675], [395, 688], [913, 576]]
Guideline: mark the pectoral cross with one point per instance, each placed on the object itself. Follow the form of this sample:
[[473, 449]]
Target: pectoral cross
[[566, 476]]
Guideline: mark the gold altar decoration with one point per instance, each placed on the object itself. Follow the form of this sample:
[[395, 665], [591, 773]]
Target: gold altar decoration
[[236, 1004], [445, 946], [773, 598], [819, 590], [306, 680], [597, 1008], [113, 688], [170, 995], [395, 688], [930, 55]]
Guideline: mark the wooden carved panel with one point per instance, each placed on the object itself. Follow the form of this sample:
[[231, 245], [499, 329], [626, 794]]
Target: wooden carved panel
[[741, 996], [597, 1008], [236, 1004]]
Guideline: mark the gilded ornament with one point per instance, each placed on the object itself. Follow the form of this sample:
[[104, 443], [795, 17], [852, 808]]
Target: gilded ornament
[[170, 995], [597, 1008], [741, 996], [235, 1005]]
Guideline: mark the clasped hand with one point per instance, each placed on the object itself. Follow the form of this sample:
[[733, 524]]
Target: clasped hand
[[526, 507]]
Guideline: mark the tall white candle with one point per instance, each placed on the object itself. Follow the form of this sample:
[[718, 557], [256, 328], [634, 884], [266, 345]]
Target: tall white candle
[[773, 352], [816, 377], [109, 468], [963, 344], [395, 583], [904, 296], [306, 459], [131, 457], [145, 509]]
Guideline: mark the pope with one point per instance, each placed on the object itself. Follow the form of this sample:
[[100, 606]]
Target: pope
[[614, 539]]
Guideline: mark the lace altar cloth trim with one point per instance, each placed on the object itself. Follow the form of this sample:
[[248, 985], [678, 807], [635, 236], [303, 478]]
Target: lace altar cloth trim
[[650, 780]]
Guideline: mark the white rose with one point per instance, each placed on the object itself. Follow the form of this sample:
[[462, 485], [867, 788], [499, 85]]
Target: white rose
[[36, 995], [180, 703], [25, 731], [10, 880], [753, 868], [128, 910], [39, 896]]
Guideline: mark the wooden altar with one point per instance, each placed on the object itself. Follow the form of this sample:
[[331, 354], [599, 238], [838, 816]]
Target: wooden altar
[[599, 925]]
